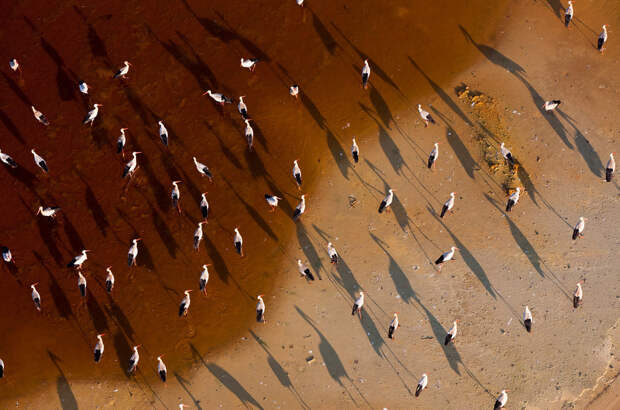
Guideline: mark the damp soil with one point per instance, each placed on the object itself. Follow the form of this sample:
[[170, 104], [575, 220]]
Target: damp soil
[[178, 50]]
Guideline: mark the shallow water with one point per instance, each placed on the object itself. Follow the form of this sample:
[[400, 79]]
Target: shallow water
[[178, 51]]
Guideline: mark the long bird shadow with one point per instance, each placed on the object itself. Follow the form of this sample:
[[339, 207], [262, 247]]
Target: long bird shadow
[[279, 371], [381, 107], [63, 388], [468, 163], [95, 208], [327, 39], [260, 221], [184, 383], [313, 110], [115, 311], [50, 238], [338, 153], [549, 116], [96, 44], [452, 355], [469, 259], [171, 244], [10, 125], [58, 295], [233, 385], [520, 239], [401, 282], [66, 85], [494, 56], [18, 91], [584, 147], [441, 93], [376, 68], [74, 237], [123, 351], [225, 150], [227, 35], [308, 248], [100, 321], [334, 365]]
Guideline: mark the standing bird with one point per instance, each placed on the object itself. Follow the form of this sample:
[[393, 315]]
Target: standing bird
[[300, 3], [451, 334], [204, 279], [506, 153], [92, 114], [304, 270], [238, 240], [357, 306], [260, 309], [578, 230], [82, 283], [527, 319], [445, 257], [217, 97], [365, 74], [13, 64], [120, 142], [568, 13], [204, 206], [448, 205], [83, 87], [513, 199], [610, 168], [78, 260], [501, 400], [249, 134], [161, 369], [131, 166], [387, 201], [272, 201], [163, 133], [551, 105], [7, 159], [331, 251], [6, 255], [198, 236], [203, 169], [355, 151], [1, 369], [109, 280], [249, 63], [602, 39], [40, 161], [132, 254], [294, 90], [99, 347], [184, 306], [393, 326], [433, 156], [133, 360], [421, 384], [578, 296], [243, 109], [175, 194], [36, 298], [39, 116], [122, 72], [300, 208], [426, 116], [49, 211], [297, 173]]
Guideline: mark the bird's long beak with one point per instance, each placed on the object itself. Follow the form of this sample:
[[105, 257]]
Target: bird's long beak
[[177, 182], [205, 93], [101, 334], [38, 211], [35, 284], [124, 129], [188, 290], [87, 250], [138, 239]]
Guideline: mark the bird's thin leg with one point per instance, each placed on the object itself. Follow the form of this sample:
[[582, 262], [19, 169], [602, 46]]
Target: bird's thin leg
[[359, 311]]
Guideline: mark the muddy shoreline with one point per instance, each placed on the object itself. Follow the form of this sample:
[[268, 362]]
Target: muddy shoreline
[[177, 53]]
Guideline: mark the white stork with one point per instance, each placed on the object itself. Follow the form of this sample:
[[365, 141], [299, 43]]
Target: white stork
[[578, 296], [433, 156], [260, 309], [92, 114], [132, 254], [357, 306], [304, 270], [36, 298], [49, 211], [448, 205], [421, 384], [249, 63], [99, 348], [445, 257], [161, 369], [331, 251], [387, 201], [242, 108], [272, 201], [204, 278], [300, 208], [365, 74], [39, 116], [133, 360], [7, 159], [610, 168], [451, 333], [163, 133], [527, 319], [78, 260], [218, 97], [393, 326], [501, 400], [131, 166], [82, 284], [198, 236], [238, 240], [109, 280], [355, 151], [39, 161], [425, 115], [579, 227], [122, 72], [513, 199], [184, 306]]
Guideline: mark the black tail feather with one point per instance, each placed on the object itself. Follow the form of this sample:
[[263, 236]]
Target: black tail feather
[[528, 325], [609, 174], [418, 390], [443, 211]]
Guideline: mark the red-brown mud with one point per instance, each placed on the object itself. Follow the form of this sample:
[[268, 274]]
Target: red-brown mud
[[178, 50]]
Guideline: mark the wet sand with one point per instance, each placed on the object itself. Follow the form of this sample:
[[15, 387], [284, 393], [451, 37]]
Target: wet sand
[[388, 255]]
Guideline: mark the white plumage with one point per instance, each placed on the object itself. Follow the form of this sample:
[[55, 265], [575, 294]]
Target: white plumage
[[331, 251]]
